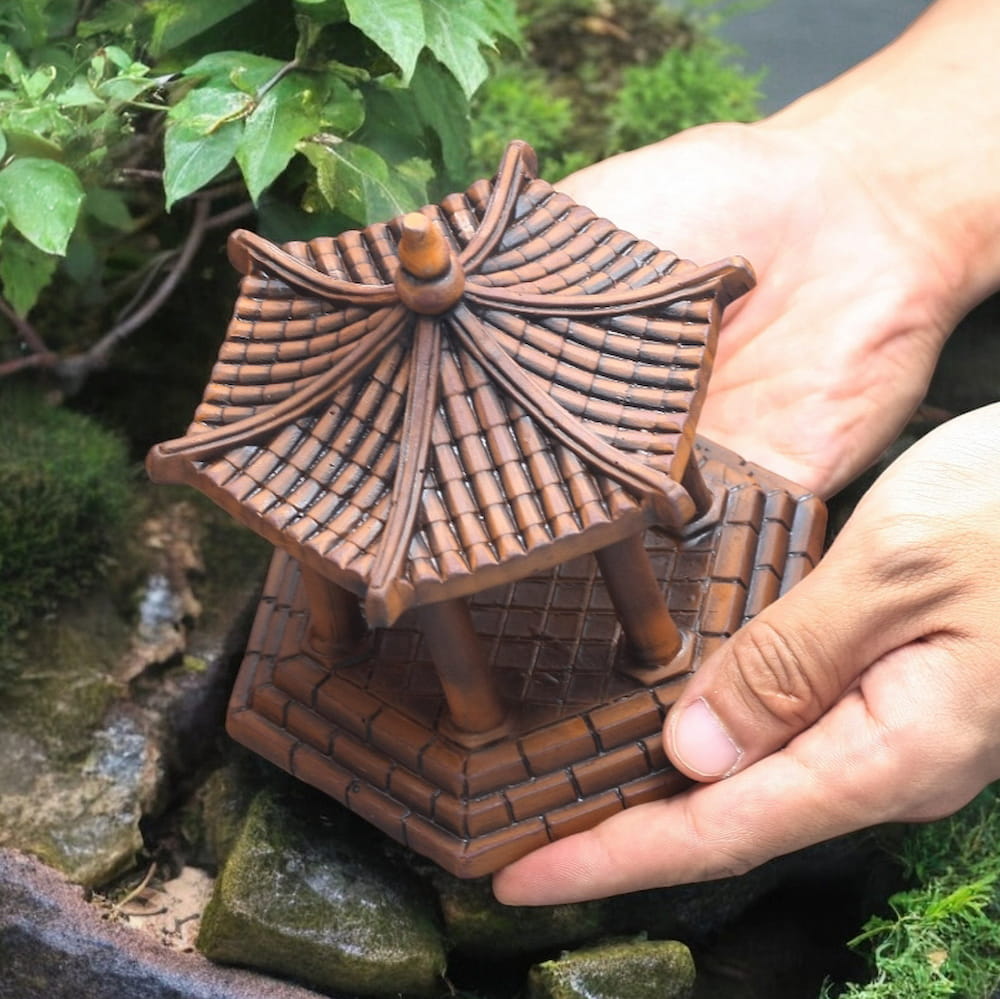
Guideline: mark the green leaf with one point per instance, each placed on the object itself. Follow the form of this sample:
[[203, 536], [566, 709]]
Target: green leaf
[[3, 146], [203, 133], [25, 272], [395, 26], [443, 106], [177, 22], [109, 207], [42, 199], [79, 94], [192, 158], [343, 111], [284, 115], [242, 70], [358, 182], [206, 109], [39, 81], [455, 34]]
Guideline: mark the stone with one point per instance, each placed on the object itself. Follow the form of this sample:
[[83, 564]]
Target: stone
[[81, 817], [623, 970], [100, 711], [298, 898], [477, 925], [54, 945]]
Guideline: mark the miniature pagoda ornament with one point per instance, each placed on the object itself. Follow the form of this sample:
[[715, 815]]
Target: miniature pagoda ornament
[[470, 434]]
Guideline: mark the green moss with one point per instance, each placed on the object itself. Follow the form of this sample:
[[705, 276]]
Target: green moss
[[941, 937], [478, 926], [626, 970], [65, 484], [296, 898]]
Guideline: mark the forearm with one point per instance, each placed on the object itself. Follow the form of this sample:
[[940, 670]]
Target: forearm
[[920, 121]]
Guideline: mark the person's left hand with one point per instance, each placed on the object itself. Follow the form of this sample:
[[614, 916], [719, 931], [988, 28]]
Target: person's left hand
[[866, 694]]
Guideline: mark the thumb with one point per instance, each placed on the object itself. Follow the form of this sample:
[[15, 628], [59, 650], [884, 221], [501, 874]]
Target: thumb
[[786, 667]]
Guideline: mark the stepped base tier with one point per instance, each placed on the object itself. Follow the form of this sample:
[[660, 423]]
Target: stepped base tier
[[582, 736]]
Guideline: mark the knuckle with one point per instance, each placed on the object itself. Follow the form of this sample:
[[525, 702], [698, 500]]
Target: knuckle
[[774, 677]]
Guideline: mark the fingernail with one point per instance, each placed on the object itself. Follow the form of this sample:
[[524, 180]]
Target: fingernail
[[701, 742]]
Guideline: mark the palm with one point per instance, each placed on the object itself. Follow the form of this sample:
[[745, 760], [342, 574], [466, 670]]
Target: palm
[[819, 367]]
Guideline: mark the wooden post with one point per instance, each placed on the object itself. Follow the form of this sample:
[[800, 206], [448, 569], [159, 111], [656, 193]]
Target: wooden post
[[638, 600], [336, 625], [477, 713], [693, 481]]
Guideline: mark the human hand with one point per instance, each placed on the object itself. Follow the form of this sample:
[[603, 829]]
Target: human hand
[[819, 367], [868, 693]]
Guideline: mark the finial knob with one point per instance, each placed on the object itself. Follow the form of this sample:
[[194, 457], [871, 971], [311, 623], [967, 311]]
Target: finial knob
[[430, 279]]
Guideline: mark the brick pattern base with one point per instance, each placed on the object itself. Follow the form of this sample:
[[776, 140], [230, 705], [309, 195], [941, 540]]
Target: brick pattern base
[[584, 735]]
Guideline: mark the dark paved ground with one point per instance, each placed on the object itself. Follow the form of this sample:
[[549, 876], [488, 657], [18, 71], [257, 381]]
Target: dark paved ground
[[805, 43]]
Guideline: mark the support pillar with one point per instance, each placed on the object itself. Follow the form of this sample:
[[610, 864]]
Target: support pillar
[[654, 640], [477, 714], [336, 625]]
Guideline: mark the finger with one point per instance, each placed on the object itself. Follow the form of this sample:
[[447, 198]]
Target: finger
[[854, 769], [786, 667]]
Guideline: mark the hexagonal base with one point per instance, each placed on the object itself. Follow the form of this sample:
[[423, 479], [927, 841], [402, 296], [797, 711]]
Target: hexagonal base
[[584, 738]]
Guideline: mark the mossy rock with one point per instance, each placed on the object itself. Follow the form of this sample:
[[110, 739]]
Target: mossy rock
[[627, 970], [65, 483], [300, 899], [478, 926]]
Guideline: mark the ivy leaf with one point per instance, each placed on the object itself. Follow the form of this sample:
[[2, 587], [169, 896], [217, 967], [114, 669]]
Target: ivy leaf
[[42, 199], [357, 181], [455, 34], [395, 26], [203, 133], [284, 115], [25, 272]]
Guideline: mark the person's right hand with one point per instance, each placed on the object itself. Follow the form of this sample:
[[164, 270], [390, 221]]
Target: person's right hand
[[867, 693], [820, 365]]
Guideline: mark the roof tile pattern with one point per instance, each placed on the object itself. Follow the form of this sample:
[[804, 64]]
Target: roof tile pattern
[[409, 458]]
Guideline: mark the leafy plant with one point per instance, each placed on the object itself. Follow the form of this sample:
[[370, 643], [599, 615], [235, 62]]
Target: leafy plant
[[684, 88], [942, 936], [124, 125], [603, 76]]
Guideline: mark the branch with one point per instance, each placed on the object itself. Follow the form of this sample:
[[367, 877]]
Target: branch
[[75, 368], [82, 364], [45, 360], [27, 332]]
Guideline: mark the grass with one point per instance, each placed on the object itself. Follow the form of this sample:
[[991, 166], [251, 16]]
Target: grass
[[941, 937]]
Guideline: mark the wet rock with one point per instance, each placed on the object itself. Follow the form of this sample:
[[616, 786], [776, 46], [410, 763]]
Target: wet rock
[[214, 816], [94, 724], [477, 925], [54, 945], [627, 970], [299, 899], [81, 818]]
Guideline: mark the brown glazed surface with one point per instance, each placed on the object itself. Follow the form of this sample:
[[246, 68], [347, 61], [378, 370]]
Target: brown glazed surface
[[472, 431]]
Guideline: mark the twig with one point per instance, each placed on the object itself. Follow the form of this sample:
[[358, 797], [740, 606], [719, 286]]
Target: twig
[[229, 216], [82, 364], [46, 360], [137, 890], [28, 333]]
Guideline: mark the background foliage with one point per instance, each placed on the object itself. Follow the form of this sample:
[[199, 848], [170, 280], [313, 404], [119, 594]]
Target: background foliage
[[124, 124]]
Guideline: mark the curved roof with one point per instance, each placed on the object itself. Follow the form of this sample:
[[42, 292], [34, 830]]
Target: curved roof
[[410, 458]]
